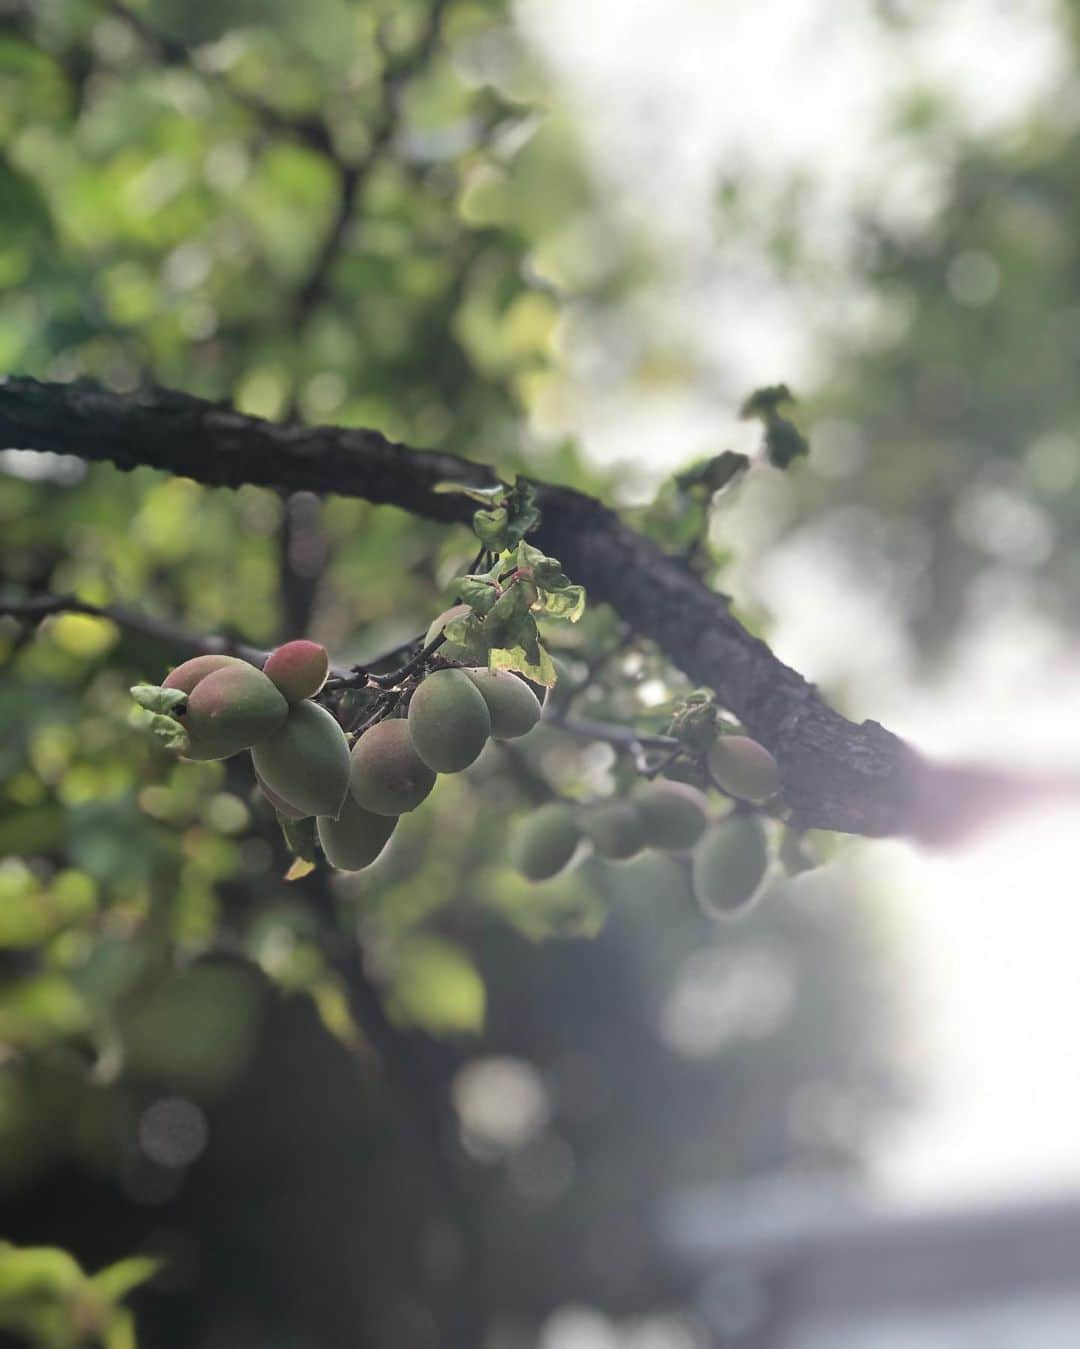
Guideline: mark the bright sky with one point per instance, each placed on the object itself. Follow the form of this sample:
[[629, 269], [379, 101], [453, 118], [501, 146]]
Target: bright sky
[[672, 90]]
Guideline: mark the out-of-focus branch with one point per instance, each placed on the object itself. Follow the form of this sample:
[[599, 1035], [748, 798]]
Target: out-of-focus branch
[[34, 609], [310, 131]]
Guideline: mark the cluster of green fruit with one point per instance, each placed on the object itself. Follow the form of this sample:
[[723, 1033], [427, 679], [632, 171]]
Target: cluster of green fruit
[[302, 759], [729, 857]]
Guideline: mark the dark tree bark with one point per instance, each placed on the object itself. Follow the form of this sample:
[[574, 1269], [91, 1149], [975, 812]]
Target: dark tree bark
[[855, 778]]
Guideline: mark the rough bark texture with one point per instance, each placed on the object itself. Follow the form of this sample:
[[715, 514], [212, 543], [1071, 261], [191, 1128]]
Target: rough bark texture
[[836, 774]]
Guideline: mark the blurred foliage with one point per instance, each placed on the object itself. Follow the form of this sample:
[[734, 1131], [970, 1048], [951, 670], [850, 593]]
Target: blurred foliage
[[347, 214], [950, 431]]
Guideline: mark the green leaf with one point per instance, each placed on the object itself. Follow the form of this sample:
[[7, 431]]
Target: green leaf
[[117, 1280], [524, 512], [37, 1271], [156, 699], [765, 402], [467, 631], [508, 621], [167, 729], [490, 527], [536, 666], [784, 442], [120, 1332], [478, 592], [568, 603]]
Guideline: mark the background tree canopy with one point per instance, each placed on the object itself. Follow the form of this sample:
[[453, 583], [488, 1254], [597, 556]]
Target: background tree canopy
[[430, 1103]]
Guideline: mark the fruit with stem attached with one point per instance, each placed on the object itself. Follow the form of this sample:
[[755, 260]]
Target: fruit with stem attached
[[299, 669]]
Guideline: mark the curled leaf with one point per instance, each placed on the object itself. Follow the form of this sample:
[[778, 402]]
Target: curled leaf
[[156, 699]]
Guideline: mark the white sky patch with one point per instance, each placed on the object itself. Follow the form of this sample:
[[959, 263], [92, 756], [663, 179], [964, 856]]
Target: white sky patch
[[673, 94]]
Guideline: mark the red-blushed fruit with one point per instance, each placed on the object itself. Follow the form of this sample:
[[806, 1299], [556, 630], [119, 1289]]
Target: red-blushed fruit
[[513, 707], [545, 841], [448, 650], [673, 815], [186, 676], [730, 864], [388, 776], [231, 709], [448, 721], [306, 762], [356, 838], [299, 669], [741, 767], [614, 829]]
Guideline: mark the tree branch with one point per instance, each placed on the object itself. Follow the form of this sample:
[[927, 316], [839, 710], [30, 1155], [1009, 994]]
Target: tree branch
[[836, 774], [35, 608]]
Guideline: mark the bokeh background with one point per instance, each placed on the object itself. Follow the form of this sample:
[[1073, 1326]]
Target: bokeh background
[[432, 1104]]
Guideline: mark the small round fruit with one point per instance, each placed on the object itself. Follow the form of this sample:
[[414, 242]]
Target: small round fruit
[[186, 676], [614, 830], [741, 767], [281, 806], [356, 837], [513, 707], [673, 815], [448, 650], [388, 776], [545, 841], [448, 721], [306, 762], [729, 865], [299, 669], [230, 709]]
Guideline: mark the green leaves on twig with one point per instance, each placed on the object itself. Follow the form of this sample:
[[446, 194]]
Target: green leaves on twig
[[784, 442], [505, 602], [507, 514]]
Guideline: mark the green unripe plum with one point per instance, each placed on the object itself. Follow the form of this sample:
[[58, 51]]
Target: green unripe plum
[[614, 830], [388, 776], [186, 676], [448, 650], [281, 806], [545, 841], [231, 709], [741, 767], [673, 815], [513, 707], [729, 865], [448, 721], [299, 669], [356, 837], [306, 762]]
